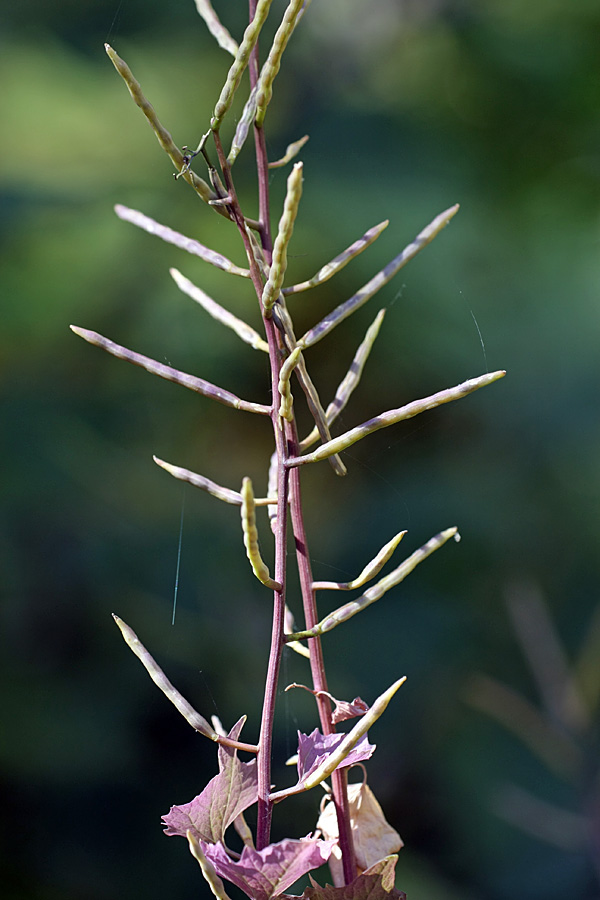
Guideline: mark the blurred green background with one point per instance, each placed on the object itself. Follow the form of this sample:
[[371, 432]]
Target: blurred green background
[[410, 107]]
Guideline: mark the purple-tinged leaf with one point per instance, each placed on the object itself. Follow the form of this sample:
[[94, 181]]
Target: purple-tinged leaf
[[376, 883], [345, 710], [225, 796], [263, 874], [314, 748]]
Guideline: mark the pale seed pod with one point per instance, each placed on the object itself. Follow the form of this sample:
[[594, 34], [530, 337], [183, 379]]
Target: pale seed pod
[[242, 58], [159, 678], [264, 87], [286, 228], [215, 882], [250, 532], [163, 136], [285, 373]]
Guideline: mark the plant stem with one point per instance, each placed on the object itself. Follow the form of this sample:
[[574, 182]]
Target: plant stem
[[317, 663], [265, 806], [262, 161]]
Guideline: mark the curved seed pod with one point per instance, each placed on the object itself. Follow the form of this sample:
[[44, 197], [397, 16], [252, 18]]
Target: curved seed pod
[[395, 415], [291, 151], [353, 736], [242, 58], [334, 759], [199, 385], [215, 26], [285, 373], [271, 66], [208, 870], [378, 281], [350, 380], [338, 263], [179, 240], [370, 570], [218, 312], [345, 612], [250, 532], [163, 136], [161, 681], [286, 228]]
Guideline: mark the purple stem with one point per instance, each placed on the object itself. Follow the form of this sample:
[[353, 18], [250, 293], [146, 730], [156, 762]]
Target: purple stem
[[339, 778], [262, 160], [265, 806]]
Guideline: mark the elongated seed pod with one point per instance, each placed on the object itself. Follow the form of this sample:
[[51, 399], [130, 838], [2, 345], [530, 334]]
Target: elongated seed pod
[[350, 381], [283, 320], [338, 444], [163, 136], [370, 570], [215, 26], [339, 262], [208, 870], [243, 127], [161, 681], [353, 736], [180, 240], [378, 281], [285, 373], [250, 532], [334, 759], [345, 612], [242, 58], [211, 487], [218, 312], [199, 385], [271, 66], [286, 228], [272, 491], [292, 150]]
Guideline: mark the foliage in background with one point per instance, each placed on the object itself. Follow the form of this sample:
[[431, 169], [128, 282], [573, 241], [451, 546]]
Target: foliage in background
[[494, 103]]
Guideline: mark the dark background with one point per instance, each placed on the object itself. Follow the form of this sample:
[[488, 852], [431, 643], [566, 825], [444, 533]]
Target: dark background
[[410, 106]]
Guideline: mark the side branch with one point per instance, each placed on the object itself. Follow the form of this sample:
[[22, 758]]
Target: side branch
[[199, 385], [337, 445]]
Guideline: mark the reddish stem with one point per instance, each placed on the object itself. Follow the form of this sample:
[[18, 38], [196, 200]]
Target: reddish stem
[[339, 778]]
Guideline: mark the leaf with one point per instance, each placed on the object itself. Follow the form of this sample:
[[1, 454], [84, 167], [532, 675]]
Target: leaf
[[345, 710], [225, 796], [377, 883], [263, 874], [373, 836], [315, 748]]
